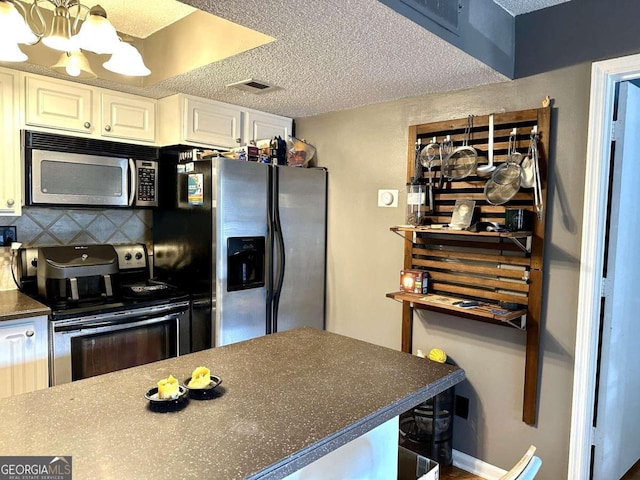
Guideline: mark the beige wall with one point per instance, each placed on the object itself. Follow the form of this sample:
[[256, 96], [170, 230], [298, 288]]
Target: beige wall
[[365, 149]]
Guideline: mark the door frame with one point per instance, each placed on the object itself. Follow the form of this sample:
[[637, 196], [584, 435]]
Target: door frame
[[604, 77]]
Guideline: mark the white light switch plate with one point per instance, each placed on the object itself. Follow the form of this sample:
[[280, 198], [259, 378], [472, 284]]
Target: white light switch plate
[[387, 198]]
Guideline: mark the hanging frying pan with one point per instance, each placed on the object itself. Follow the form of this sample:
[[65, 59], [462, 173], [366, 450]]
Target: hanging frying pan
[[462, 161]]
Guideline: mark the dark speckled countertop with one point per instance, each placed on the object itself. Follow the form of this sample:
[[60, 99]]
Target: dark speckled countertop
[[14, 304], [288, 399]]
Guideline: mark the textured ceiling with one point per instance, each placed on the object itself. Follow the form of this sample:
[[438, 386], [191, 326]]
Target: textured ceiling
[[328, 55]]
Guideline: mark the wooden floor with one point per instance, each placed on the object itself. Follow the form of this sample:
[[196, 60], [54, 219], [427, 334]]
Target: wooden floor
[[454, 473], [633, 473]]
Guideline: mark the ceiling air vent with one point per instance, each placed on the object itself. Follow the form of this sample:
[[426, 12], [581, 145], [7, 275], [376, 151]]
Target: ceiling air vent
[[253, 86]]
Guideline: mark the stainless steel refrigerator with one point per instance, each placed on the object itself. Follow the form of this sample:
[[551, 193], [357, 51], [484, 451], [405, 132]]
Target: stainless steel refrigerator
[[247, 240]]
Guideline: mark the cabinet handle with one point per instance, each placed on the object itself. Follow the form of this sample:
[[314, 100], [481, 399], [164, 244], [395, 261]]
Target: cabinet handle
[[238, 140], [29, 333], [87, 124], [10, 202], [107, 128]]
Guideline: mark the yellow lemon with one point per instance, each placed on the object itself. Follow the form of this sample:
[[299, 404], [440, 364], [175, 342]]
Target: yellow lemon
[[437, 355]]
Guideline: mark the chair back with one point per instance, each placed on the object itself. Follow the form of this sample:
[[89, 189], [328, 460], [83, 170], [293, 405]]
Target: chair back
[[526, 468]]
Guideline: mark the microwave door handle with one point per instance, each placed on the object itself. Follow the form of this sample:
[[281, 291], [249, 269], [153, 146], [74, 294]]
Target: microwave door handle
[[132, 181]]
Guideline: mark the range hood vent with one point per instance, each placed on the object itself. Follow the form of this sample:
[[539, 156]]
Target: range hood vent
[[253, 86]]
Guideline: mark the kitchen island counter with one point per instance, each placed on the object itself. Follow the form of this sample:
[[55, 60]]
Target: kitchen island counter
[[286, 400]]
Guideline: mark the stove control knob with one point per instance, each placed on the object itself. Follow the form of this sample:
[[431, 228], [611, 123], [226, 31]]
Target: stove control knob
[[127, 256], [138, 256]]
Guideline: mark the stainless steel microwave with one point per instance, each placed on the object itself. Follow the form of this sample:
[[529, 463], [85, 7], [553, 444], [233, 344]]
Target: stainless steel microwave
[[72, 171]]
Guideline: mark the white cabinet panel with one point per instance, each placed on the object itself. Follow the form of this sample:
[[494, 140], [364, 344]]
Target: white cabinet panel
[[128, 117], [212, 123], [10, 184], [23, 356], [262, 126], [60, 105], [202, 122]]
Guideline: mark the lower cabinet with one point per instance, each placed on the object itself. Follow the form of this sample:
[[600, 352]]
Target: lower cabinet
[[23, 355]]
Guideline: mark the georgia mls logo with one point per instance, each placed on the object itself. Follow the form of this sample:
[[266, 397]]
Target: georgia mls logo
[[35, 468]]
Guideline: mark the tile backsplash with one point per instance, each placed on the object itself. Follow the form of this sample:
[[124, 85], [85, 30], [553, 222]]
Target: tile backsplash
[[40, 226]]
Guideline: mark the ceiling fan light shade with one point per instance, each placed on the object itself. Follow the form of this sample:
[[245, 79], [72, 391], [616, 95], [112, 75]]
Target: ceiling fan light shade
[[13, 27], [126, 60], [74, 64], [59, 36], [9, 52], [97, 35]]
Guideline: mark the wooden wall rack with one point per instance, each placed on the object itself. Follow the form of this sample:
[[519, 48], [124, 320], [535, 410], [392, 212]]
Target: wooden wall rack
[[488, 267]]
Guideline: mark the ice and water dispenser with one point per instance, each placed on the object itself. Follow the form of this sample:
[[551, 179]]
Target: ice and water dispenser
[[245, 263]]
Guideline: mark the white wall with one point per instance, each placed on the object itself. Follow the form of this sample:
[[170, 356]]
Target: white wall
[[366, 149]]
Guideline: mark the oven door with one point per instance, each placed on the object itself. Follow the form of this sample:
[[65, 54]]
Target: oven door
[[92, 345]]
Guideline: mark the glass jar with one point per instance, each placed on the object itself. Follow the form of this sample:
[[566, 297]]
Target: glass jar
[[416, 196]]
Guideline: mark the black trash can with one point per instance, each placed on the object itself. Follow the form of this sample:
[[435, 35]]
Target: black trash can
[[427, 429]]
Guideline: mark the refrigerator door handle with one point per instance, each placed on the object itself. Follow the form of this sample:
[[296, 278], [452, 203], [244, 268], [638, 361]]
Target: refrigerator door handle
[[279, 257]]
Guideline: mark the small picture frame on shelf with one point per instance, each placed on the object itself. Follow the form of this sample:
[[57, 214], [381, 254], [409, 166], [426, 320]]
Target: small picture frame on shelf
[[462, 214]]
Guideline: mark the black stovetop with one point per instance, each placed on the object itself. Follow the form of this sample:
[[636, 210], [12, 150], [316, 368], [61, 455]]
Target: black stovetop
[[128, 297]]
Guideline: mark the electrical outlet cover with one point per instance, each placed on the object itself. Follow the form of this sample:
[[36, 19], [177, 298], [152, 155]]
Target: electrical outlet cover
[[7, 236]]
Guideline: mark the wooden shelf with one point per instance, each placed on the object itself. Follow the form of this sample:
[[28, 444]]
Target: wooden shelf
[[452, 231], [485, 312], [489, 267], [513, 236]]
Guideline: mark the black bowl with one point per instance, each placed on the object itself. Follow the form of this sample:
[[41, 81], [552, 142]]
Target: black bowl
[[167, 404], [203, 393]]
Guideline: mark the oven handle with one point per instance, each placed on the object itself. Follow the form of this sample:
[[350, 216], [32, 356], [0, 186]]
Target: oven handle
[[132, 322]]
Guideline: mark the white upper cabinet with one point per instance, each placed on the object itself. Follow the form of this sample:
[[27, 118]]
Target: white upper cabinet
[[262, 126], [58, 105], [128, 116], [53, 104], [212, 123], [23, 355], [11, 178], [200, 122]]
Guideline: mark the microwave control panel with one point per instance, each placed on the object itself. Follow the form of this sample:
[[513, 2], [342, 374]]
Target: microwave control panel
[[147, 185]]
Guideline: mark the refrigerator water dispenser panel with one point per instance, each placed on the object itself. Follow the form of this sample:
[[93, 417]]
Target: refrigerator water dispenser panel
[[245, 263]]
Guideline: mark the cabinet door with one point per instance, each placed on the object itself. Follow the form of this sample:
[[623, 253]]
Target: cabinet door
[[128, 117], [262, 126], [10, 184], [211, 123], [23, 356], [59, 105]]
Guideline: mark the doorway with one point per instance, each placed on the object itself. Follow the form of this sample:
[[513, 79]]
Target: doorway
[[604, 78]]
